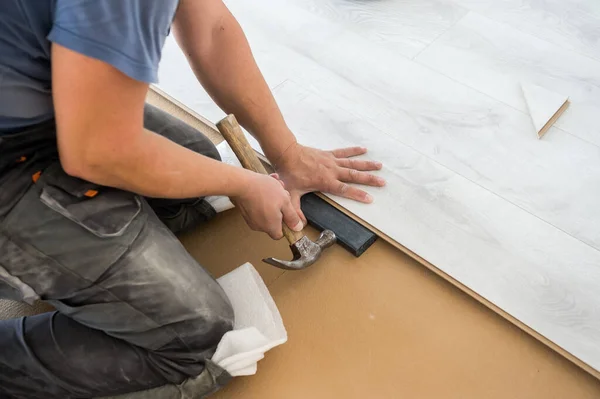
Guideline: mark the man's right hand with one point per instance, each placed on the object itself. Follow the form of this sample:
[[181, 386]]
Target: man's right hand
[[265, 204]]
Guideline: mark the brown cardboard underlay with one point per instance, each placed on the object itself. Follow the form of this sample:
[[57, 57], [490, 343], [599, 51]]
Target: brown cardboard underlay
[[246, 249], [381, 326]]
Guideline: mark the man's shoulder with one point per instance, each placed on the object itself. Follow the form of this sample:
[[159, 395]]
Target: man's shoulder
[[127, 34]]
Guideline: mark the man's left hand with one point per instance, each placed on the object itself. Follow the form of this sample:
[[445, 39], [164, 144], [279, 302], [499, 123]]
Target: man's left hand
[[305, 169]]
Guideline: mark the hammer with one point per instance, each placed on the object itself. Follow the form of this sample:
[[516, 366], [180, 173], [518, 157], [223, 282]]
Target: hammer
[[305, 252]]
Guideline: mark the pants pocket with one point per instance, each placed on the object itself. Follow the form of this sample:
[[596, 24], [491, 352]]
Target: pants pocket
[[79, 228], [103, 211]]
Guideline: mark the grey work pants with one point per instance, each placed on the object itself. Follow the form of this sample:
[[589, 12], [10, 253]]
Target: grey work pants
[[134, 309]]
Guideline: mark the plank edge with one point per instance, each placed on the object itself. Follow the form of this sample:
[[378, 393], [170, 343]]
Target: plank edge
[[554, 118]]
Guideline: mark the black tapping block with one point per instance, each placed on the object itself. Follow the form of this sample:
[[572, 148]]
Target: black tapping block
[[352, 235]]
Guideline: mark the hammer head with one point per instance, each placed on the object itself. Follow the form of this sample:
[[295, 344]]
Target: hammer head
[[305, 252]]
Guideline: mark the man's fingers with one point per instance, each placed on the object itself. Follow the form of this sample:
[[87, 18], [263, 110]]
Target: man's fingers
[[358, 164], [272, 226], [355, 176], [276, 177], [291, 218], [347, 191], [349, 152], [296, 203], [276, 234]]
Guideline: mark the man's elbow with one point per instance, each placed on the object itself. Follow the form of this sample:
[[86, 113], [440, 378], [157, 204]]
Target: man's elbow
[[91, 165], [76, 165]]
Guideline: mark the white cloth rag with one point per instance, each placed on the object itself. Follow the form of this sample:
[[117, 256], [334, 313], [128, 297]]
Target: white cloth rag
[[222, 203], [258, 326]]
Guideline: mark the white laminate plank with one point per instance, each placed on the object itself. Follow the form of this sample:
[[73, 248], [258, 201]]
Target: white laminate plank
[[572, 24], [404, 26], [556, 179], [536, 273], [495, 58]]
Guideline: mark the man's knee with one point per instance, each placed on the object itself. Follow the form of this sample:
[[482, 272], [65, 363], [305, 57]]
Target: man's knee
[[176, 130], [166, 299], [193, 305], [205, 147], [198, 330], [216, 318]]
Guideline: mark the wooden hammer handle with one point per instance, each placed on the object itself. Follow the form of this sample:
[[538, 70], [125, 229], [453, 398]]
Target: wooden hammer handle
[[231, 130]]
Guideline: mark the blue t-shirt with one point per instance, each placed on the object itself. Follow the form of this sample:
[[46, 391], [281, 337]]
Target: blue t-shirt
[[127, 34]]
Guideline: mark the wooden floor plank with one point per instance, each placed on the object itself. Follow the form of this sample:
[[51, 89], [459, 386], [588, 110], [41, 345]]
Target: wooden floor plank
[[473, 135], [573, 24], [405, 27], [496, 59]]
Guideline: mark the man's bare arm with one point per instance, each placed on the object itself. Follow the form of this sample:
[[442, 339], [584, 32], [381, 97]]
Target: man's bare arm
[[220, 56], [99, 116], [99, 120]]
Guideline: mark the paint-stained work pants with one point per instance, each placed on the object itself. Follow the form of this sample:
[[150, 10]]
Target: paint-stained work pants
[[135, 310]]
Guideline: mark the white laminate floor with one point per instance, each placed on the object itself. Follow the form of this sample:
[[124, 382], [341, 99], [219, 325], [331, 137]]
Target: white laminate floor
[[495, 59], [432, 88]]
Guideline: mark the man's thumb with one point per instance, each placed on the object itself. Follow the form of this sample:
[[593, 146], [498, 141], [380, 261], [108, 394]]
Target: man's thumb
[[291, 218]]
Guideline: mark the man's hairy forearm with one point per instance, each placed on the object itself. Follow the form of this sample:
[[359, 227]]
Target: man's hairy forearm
[[153, 166], [221, 59]]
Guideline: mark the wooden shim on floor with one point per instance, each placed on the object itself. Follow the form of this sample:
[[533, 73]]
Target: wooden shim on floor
[[209, 125], [544, 106]]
